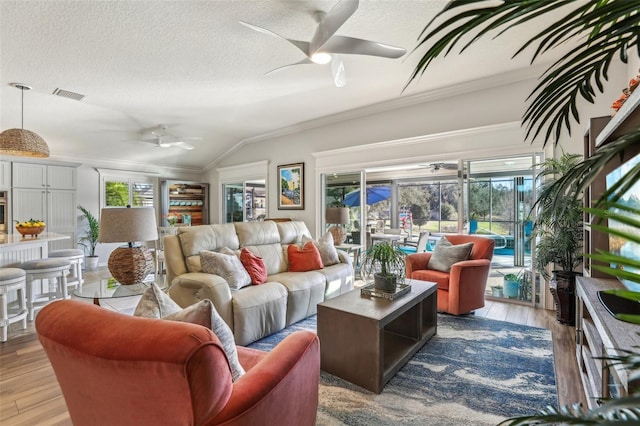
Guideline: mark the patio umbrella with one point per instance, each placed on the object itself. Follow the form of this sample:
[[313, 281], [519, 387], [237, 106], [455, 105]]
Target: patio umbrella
[[375, 194]]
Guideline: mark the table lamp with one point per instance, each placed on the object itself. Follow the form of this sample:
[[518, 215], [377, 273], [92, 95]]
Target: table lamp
[[337, 216], [131, 263]]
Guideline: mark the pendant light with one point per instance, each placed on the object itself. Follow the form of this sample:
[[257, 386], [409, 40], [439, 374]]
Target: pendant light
[[22, 142]]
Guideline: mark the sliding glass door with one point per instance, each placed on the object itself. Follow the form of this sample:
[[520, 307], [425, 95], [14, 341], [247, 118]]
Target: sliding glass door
[[500, 197], [343, 190], [244, 201]]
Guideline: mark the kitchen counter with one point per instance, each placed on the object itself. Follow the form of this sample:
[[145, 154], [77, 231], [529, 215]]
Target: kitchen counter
[[15, 249]]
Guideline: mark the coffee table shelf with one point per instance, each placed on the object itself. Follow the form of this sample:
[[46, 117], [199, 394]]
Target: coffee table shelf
[[366, 340]]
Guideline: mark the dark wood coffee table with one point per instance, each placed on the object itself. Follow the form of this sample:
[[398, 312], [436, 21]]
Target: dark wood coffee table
[[366, 340]]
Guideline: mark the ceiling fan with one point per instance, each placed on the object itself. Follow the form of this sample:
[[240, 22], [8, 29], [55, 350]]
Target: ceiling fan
[[326, 47], [162, 138], [436, 167]]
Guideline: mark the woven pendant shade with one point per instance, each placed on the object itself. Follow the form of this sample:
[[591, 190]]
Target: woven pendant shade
[[23, 142]]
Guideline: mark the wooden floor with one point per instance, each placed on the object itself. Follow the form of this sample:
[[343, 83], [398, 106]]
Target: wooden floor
[[30, 395]]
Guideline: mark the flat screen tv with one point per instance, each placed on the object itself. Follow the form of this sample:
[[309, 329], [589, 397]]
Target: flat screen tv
[[618, 245]]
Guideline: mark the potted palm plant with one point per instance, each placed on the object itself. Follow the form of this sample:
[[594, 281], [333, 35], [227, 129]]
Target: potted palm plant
[[89, 240], [559, 232], [385, 261]]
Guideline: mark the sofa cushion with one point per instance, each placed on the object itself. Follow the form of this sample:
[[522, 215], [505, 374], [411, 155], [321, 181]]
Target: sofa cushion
[[257, 233], [228, 266], [258, 311], [194, 239], [446, 254], [304, 291], [154, 303], [254, 266], [339, 279], [292, 232], [328, 252], [305, 258], [272, 255]]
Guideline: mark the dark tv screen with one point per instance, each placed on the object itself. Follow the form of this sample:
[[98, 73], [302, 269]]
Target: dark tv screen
[[619, 245]]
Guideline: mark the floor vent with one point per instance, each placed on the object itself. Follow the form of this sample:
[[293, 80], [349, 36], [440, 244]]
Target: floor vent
[[68, 94]]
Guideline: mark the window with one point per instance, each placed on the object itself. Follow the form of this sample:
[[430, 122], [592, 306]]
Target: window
[[122, 190]]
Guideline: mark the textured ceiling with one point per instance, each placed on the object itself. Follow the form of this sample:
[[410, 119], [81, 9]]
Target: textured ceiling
[[189, 64]]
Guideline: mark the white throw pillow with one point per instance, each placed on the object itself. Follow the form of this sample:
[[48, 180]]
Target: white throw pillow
[[157, 304], [328, 252], [228, 266], [205, 314]]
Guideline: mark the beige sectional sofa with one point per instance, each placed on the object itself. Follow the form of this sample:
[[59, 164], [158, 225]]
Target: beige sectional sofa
[[254, 311]]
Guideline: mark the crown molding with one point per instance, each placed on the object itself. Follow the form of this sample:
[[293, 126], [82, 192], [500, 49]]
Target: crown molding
[[129, 165]]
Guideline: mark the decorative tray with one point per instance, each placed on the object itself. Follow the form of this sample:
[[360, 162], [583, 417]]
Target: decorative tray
[[369, 290]]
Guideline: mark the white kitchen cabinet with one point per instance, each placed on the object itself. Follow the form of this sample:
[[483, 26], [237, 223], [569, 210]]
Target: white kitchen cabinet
[[28, 175], [5, 175], [48, 193]]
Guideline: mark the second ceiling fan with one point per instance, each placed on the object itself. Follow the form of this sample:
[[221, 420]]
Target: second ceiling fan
[[326, 47], [162, 138]]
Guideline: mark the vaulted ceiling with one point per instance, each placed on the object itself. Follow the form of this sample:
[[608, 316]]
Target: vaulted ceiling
[[191, 66]]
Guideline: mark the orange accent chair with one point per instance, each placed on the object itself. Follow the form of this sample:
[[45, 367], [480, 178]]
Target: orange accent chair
[[116, 369], [462, 289]]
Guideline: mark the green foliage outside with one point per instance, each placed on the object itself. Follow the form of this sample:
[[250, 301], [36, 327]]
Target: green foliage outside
[[117, 194]]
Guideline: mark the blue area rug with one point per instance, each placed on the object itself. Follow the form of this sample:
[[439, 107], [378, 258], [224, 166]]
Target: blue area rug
[[474, 371]]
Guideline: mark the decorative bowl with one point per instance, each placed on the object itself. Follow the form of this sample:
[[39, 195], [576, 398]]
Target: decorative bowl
[[34, 231]]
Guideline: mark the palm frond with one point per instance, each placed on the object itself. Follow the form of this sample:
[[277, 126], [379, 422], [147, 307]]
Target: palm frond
[[625, 266], [602, 30]]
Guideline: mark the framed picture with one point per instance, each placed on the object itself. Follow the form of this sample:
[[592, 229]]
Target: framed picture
[[291, 187]]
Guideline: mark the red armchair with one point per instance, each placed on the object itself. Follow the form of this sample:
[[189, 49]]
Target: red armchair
[[116, 369], [462, 289]]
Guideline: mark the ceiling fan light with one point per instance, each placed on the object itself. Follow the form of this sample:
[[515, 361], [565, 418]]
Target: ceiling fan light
[[23, 143], [321, 58]]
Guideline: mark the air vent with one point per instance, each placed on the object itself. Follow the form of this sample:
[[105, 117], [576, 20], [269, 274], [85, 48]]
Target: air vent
[[68, 94]]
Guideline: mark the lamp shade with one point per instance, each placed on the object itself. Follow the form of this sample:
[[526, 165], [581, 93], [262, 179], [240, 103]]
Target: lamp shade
[[337, 215], [23, 142], [124, 224]]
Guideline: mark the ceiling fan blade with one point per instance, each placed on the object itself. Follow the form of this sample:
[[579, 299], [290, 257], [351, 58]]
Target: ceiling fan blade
[[357, 46], [331, 22], [305, 61], [337, 70], [183, 145], [302, 45]]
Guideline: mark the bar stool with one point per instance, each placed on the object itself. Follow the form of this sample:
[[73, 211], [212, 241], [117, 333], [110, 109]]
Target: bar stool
[[12, 279], [76, 259], [42, 269]]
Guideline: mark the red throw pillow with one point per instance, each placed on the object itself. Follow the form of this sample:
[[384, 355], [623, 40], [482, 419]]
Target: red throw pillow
[[254, 266], [303, 259]]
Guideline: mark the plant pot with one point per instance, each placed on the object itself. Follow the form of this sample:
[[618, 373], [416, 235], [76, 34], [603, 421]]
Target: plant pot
[[91, 263], [496, 291], [511, 289], [384, 283], [563, 289]]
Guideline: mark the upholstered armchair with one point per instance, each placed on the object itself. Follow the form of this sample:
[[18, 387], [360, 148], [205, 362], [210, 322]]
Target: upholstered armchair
[[116, 369], [462, 289]]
